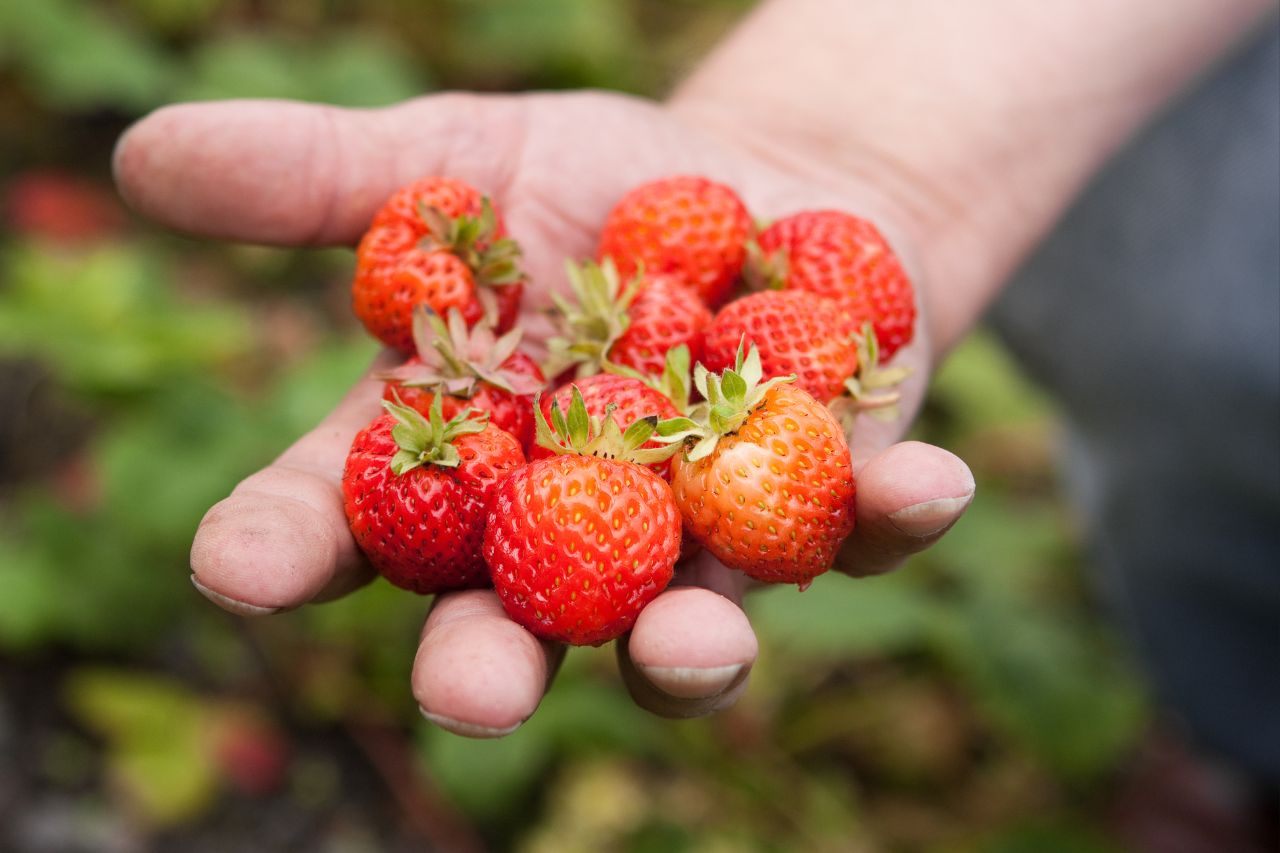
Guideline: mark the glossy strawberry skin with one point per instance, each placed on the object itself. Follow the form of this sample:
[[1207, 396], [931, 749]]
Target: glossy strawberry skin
[[845, 258], [578, 545], [450, 196], [796, 332], [664, 315], [422, 530], [394, 271], [686, 226], [512, 413], [776, 498], [393, 275], [633, 399]]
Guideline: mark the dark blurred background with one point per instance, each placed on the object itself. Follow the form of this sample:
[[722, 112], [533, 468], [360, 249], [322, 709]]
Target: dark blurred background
[[973, 701]]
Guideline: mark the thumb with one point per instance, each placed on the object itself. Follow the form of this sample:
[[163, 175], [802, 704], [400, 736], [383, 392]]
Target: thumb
[[290, 173]]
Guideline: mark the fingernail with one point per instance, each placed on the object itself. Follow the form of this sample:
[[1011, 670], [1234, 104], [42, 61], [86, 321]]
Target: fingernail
[[467, 729], [930, 517], [692, 682], [234, 605]]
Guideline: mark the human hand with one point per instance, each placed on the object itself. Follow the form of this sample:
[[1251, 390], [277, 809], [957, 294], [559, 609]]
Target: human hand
[[295, 174]]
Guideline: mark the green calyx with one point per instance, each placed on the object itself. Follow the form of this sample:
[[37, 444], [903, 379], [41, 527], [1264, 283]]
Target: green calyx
[[765, 270], [873, 388], [429, 441], [594, 319], [471, 238], [456, 358], [579, 433], [729, 397], [673, 383]]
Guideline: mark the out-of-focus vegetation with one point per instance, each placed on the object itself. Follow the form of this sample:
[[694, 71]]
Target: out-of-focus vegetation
[[972, 701]]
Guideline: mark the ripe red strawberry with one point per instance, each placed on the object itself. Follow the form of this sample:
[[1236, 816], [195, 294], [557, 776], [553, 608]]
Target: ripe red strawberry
[[415, 489], [689, 227], [796, 333], [579, 543], [632, 324], [476, 370], [440, 243], [629, 398], [845, 258], [767, 486]]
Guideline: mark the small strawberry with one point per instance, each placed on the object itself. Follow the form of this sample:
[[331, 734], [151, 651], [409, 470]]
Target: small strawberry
[[580, 542], [844, 258], [414, 490], [795, 333], [440, 243], [689, 227], [626, 397], [766, 483], [476, 370], [633, 324]]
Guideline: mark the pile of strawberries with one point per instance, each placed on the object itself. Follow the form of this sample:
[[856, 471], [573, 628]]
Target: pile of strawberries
[[576, 504]]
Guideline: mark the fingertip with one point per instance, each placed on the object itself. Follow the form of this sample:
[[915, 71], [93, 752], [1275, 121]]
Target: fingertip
[[689, 654], [261, 170], [232, 605], [265, 551], [910, 473], [692, 627], [477, 673], [908, 496]]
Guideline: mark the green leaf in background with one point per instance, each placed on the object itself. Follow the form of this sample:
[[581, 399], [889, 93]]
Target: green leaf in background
[[981, 385], [840, 617], [580, 716], [355, 69], [107, 319], [77, 56], [555, 42], [68, 574], [68, 577], [159, 751], [175, 16], [1009, 547], [1048, 679], [1048, 837]]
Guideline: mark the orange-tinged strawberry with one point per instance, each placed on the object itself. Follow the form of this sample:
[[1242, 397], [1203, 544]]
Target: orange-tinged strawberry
[[415, 490], [436, 242], [578, 543], [766, 483], [686, 226], [844, 258]]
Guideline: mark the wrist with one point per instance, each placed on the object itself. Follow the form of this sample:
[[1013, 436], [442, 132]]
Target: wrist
[[964, 130]]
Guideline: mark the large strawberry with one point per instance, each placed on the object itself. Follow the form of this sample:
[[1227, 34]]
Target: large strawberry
[[440, 243], [415, 490], [625, 397], [632, 324], [689, 227], [475, 369], [765, 483], [580, 542], [844, 258]]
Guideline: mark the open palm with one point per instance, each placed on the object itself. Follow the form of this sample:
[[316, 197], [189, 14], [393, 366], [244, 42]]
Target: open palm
[[287, 173]]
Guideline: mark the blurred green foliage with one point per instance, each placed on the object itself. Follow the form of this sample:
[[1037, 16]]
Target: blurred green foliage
[[971, 701]]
